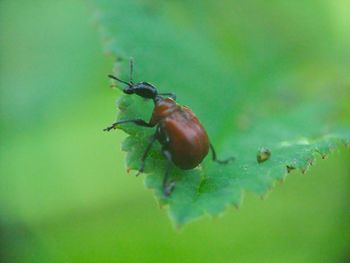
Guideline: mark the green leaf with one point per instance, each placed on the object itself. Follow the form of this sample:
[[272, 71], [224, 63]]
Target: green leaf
[[256, 75]]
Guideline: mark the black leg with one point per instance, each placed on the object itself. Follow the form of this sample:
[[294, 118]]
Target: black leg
[[138, 122], [219, 161], [145, 154], [168, 186]]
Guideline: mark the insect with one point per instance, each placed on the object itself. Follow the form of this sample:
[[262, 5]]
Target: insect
[[184, 141], [263, 155]]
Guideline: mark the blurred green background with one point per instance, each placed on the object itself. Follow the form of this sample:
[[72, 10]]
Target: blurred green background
[[65, 195]]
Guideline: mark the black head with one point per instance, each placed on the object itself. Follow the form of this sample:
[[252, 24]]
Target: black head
[[142, 89]]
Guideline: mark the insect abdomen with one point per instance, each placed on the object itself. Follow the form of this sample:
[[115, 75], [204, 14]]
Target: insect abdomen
[[188, 141]]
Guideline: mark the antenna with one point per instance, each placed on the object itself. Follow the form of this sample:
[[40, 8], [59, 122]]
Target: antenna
[[131, 69], [122, 81]]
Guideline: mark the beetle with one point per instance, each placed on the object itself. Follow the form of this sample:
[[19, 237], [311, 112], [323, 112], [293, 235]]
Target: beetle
[[184, 141]]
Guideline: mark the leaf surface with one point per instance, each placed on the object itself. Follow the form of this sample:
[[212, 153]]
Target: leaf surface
[[255, 78]]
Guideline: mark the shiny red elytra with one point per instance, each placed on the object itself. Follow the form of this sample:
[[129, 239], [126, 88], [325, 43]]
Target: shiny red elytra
[[184, 141]]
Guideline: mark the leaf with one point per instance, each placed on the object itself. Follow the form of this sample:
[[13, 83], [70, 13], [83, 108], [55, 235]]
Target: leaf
[[256, 75]]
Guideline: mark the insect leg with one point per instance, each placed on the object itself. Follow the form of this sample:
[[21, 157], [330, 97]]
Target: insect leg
[[168, 186], [145, 154], [215, 158], [138, 122]]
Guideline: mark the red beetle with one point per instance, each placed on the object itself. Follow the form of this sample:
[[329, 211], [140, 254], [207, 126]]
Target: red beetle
[[183, 138]]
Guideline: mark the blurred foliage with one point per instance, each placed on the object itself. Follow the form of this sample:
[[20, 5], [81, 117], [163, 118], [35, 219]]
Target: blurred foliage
[[242, 92], [64, 192]]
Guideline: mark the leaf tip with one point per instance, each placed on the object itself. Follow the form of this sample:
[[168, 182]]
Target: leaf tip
[[290, 168], [304, 169]]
